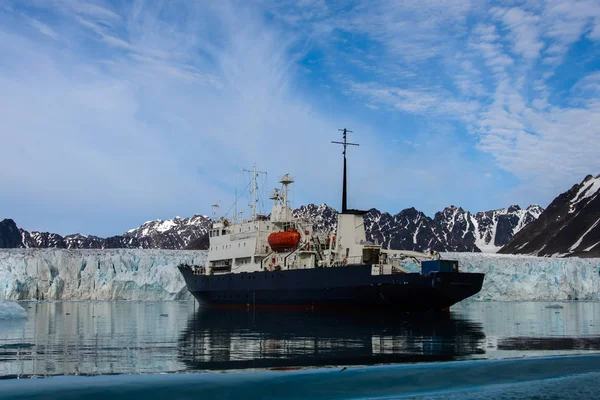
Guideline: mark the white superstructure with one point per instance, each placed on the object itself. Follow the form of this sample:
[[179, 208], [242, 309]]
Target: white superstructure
[[283, 242]]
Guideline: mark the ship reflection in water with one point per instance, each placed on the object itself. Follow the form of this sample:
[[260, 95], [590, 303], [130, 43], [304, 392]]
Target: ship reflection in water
[[220, 340]]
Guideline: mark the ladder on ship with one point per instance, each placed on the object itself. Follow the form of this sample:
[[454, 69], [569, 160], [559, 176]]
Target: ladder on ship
[[318, 248], [265, 258]]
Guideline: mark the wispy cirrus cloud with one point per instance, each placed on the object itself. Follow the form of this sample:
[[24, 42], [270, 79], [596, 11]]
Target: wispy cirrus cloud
[[507, 92], [137, 116], [524, 30]]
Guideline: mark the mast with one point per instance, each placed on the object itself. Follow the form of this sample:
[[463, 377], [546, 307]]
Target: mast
[[215, 207], [344, 188], [254, 190], [286, 180]]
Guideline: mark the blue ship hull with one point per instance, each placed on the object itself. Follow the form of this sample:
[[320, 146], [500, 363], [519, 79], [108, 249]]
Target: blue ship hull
[[337, 287]]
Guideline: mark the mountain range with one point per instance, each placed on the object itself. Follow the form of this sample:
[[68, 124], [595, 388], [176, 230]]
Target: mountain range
[[452, 229], [176, 233], [570, 226]]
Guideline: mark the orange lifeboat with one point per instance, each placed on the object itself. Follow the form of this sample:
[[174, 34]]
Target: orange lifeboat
[[284, 240]]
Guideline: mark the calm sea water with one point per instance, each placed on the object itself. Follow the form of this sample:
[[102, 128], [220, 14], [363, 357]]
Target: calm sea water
[[90, 338]]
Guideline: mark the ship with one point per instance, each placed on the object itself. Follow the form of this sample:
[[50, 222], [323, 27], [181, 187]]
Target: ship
[[279, 260]]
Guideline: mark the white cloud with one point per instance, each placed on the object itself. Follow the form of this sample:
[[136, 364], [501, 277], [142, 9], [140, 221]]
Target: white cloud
[[414, 101], [533, 137], [550, 149], [43, 28], [524, 31], [424, 22]]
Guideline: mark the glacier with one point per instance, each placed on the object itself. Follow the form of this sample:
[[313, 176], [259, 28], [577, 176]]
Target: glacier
[[144, 274], [529, 278], [10, 310], [115, 274]]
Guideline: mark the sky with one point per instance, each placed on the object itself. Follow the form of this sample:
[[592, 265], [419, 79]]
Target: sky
[[113, 113]]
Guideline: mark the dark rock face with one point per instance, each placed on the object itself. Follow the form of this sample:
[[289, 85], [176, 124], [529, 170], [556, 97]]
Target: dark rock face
[[10, 236], [201, 243], [410, 229], [457, 228], [570, 226], [43, 239]]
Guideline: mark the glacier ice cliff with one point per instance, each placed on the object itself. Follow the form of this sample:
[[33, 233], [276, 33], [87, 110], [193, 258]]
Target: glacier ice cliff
[[518, 277], [144, 274], [116, 274]]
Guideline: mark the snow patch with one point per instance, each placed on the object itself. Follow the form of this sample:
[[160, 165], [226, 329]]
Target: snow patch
[[591, 247], [11, 310], [588, 189], [578, 242], [166, 225]]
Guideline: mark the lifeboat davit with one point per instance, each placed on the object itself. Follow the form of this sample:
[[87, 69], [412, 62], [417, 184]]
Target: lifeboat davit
[[284, 240]]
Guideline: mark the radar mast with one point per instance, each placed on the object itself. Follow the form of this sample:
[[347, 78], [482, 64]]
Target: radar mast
[[344, 189], [254, 204]]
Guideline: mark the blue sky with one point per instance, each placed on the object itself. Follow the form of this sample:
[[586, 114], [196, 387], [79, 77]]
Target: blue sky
[[113, 113]]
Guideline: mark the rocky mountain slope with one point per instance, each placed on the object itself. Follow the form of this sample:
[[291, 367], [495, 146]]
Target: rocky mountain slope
[[452, 229], [177, 233], [10, 235], [570, 226]]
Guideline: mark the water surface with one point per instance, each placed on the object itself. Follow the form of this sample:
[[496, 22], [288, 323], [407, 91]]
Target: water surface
[[89, 338]]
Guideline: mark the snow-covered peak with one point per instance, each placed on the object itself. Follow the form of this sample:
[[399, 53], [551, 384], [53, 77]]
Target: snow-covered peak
[[569, 226], [172, 233], [535, 210], [161, 226], [589, 188], [323, 217], [76, 236], [45, 239], [496, 228]]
